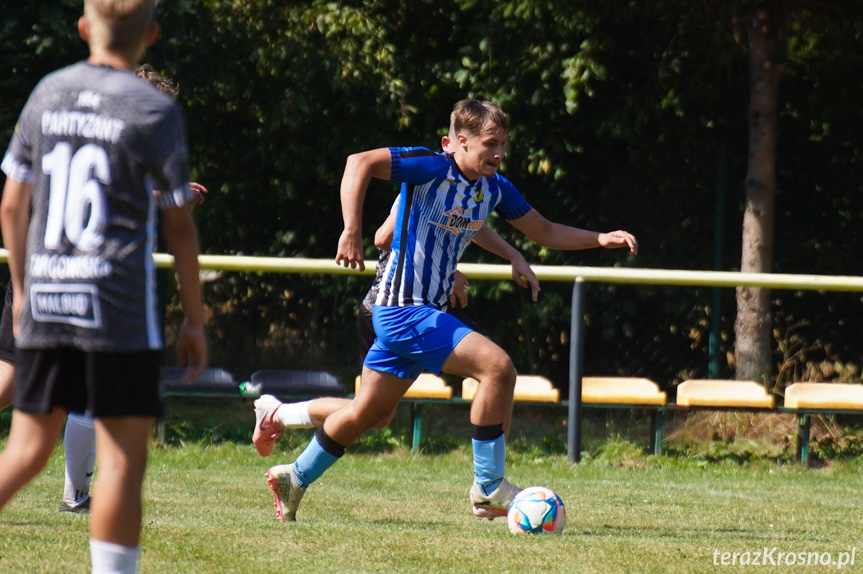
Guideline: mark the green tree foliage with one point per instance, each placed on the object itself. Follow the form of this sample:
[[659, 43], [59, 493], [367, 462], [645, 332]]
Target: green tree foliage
[[36, 38], [619, 109]]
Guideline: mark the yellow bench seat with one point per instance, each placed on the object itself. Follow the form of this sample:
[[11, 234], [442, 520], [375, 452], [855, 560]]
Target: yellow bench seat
[[427, 386], [528, 388], [621, 391], [827, 396], [723, 393]]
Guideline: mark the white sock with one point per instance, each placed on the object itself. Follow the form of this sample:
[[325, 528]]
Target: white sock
[[111, 558], [79, 442], [295, 415]]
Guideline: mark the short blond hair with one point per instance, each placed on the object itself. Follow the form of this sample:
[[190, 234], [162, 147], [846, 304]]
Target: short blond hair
[[118, 25], [474, 116]]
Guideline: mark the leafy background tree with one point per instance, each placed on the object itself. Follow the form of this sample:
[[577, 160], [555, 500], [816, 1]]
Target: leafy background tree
[[621, 113]]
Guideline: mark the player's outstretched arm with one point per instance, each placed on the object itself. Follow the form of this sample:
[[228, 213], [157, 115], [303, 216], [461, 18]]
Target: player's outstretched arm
[[359, 170], [182, 240], [522, 274], [557, 236]]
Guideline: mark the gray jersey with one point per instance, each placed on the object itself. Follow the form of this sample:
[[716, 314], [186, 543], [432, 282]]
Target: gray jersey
[[95, 142]]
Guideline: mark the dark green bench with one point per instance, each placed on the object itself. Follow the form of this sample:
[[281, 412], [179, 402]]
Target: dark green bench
[[808, 399]]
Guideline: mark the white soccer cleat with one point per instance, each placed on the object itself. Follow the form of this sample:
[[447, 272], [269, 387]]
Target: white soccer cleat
[[288, 492], [267, 428], [495, 504]]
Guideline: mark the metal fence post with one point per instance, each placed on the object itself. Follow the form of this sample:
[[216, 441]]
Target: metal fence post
[[576, 370], [714, 341]]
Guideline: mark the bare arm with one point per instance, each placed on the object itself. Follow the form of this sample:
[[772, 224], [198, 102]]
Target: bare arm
[[384, 234], [522, 274], [15, 221], [557, 236], [182, 240], [359, 170]]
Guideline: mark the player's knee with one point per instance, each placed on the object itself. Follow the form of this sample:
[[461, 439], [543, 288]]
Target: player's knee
[[382, 424], [370, 415], [502, 370], [380, 417]]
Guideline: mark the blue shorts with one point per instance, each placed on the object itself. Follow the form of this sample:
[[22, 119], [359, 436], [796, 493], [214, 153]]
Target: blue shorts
[[413, 339]]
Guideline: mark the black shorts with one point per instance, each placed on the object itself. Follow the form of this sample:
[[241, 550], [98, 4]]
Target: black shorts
[[365, 330], [104, 383], [7, 340]]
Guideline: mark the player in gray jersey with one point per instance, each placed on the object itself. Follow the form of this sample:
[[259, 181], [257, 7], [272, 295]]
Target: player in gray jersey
[[79, 437], [84, 253], [81, 187]]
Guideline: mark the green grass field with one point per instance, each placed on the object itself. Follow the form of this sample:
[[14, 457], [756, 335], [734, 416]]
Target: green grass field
[[209, 510]]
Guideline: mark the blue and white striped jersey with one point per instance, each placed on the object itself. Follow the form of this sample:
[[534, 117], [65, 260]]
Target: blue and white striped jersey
[[439, 212]]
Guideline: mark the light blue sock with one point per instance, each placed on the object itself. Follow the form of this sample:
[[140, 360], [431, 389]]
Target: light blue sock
[[312, 463], [489, 462]]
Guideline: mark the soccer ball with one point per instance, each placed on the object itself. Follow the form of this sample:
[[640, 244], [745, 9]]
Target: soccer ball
[[536, 510]]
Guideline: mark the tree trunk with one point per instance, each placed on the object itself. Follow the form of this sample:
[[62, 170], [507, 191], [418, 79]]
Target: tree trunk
[[760, 34]]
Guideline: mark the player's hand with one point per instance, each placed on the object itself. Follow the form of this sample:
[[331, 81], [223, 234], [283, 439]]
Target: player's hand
[[199, 191], [617, 239], [523, 276], [458, 298], [350, 252], [192, 350]]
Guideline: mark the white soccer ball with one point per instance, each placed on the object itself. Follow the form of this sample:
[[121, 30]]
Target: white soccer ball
[[536, 510]]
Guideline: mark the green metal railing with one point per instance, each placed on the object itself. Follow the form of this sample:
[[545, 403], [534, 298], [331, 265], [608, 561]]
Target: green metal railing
[[579, 276]]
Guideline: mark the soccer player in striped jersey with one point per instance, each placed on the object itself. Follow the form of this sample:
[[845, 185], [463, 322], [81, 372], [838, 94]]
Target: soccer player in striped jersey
[[444, 201], [78, 217], [272, 417]]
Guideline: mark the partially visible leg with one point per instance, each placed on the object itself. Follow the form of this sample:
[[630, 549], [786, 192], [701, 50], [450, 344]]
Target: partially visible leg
[[313, 413], [385, 422], [32, 438], [116, 510], [378, 397], [79, 442], [376, 402], [272, 418], [7, 378], [476, 356], [7, 352], [308, 414]]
